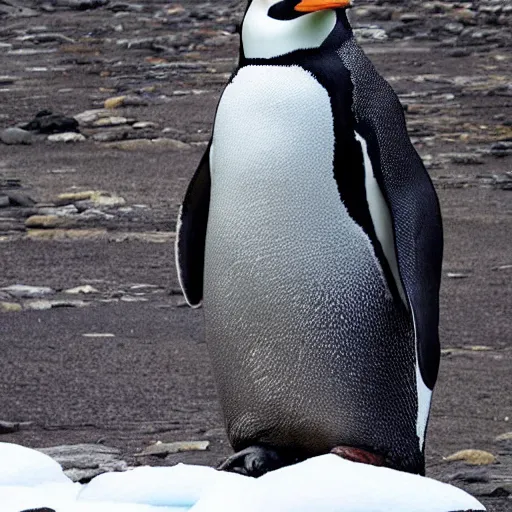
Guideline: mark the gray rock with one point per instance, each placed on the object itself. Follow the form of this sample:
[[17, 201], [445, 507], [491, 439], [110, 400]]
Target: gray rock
[[22, 291], [4, 201], [15, 136], [81, 462], [19, 199]]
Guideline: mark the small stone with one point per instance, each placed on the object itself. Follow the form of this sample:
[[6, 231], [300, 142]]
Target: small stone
[[66, 137], [13, 136], [22, 291], [472, 457], [114, 102], [144, 124], [86, 289], [163, 449], [110, 121], [4, 201], [19, 199], [45, 221], [10, 307]]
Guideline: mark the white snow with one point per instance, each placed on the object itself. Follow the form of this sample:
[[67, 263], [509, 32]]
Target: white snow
[[30, 479]]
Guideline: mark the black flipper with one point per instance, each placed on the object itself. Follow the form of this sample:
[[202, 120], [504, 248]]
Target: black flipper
[[411, 199], [191, 233]]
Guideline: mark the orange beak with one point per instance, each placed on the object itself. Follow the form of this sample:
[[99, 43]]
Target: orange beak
[[319, 5]]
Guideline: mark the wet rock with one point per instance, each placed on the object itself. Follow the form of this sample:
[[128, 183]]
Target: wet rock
[[472, 457], [66, 137], [82, 462], [47, 122], [22, 291], [13, 136], [160, 449]]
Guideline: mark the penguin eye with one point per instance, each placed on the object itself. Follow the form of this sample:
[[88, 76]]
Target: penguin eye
[[284, 10]]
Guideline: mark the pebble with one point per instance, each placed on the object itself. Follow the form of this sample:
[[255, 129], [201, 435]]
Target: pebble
[[13, 136], [22, 291], [66, 137], [472, 457]]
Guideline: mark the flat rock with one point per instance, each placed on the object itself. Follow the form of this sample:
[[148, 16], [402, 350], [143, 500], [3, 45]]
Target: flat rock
[[45, 221], [13, 136], [22, 291], [66, 137], [81, 462]]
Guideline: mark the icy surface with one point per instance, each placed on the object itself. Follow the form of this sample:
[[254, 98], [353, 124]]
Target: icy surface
[[29, 479]]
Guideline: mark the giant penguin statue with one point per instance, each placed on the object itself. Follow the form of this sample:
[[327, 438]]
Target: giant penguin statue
[[312, 235]]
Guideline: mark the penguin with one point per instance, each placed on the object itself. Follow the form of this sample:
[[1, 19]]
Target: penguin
[[311, 234]]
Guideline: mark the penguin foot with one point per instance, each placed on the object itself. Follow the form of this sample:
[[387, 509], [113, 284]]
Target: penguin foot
[[358, 455], [255, 461]]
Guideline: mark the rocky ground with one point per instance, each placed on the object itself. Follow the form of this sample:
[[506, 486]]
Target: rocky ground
[[96, 345]]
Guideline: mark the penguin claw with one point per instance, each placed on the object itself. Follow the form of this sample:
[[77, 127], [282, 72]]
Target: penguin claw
[[254, 461]]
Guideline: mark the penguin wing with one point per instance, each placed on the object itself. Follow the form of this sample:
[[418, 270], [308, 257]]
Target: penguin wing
[[191, 233], [410, 196]]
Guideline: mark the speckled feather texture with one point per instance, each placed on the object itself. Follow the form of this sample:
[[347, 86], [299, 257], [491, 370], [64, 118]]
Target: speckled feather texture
[[309, 348]]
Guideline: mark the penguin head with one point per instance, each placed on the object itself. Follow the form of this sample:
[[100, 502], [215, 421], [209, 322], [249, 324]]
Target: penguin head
[[272, 28]]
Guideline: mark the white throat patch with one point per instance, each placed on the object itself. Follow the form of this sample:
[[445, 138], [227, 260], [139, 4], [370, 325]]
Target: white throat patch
[[264, 37]]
